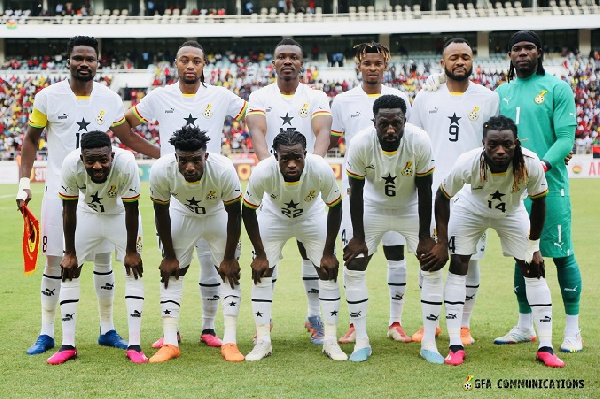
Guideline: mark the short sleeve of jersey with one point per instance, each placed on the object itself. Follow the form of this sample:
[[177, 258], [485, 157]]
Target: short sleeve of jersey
[[130, 179], [144, 110], [424, 156], [337, 126], [256, 105], [330, 190], [237, 106], [231, 190], [355, 161], [68, 187], [38, 117], [459, 176], [256, 185], [537, 186], [414, 116], [119, 112], [321, 107], [159, 182]]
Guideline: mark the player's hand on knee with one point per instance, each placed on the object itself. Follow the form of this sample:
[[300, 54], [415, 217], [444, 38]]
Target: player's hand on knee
[[329, 267], [230, 271], [260, 267], [68, 266], [355, 249], [133, 264], [168, 267], [435, 259], [536, 268]]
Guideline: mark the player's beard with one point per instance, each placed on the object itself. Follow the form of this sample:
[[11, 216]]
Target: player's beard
[[84, 78], [458, 78], [390, 146], [190, 81]]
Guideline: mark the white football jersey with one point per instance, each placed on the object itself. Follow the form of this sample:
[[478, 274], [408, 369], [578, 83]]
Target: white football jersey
[[67, 117], [122, 185], [285, 112], [207, 109], [494, 197], [292, 201], [353, 110], [390, 176], [219, 185], [454, 122]]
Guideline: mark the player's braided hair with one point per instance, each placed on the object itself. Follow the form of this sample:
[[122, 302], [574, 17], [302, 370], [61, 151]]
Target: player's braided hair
[[526, 36], [288, 42], [193, 43], [389, 101], [288, 138], [520, 174], [94, 139], [82, 41], [364, 48], [189, 138]]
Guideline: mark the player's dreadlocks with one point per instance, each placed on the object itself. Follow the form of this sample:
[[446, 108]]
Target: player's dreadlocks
[[189, 138], [526, 36], [82, 41], [193, 43], [520, 174], [94, 139], [364, 48], [389, 101], [288, 138], [288, 42]]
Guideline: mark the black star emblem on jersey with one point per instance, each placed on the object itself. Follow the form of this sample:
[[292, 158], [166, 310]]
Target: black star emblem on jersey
[[189, 120], [193, 202], [167, 311], [334, 313], [389, 179], [497, 195], [83, 125], [232, 303], [292, 204], [287, 119], [454, 118], [96, 198], [258, 314]]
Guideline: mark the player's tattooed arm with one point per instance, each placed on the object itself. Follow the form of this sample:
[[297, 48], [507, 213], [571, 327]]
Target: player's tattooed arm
[[330, 265], [357, 246], [257, 126], [229, 269], [69, 264], [260, 263], [133, 260], [437, 257], [169, 266]]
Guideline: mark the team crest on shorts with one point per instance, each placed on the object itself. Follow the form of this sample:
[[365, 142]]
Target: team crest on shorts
[[207, 113], [408, 169], [311, 196], [540, 98], [138, 244], [211, 195], [303, 111], [474, 114], [112, 191], [100, 117]]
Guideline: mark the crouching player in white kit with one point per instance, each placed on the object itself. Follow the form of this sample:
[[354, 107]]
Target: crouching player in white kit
[[499, 175], [109, 179], [294, 186], [390, 167], [200, 183]]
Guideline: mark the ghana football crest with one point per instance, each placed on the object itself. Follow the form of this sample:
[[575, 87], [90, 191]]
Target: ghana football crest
[[112, 191], [408, 169], [211, 195], [100, 117], [474, 114], [207, 113], [311, 196], [540, 98], [303, 111]]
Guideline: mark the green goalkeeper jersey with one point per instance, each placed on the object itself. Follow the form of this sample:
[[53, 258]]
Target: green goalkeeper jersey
[[543, 107]]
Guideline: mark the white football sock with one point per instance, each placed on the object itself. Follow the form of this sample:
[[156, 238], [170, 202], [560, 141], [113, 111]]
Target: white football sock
[[525, 321], [357, 298], [170, 299], [262, 301], [104, 283], [540, 300], [50, 294], [310, 278], [209, 284], [231, 308], [69, 298], [397, 286], [572, 325], [454, 300], [472, 285], [431, 304], [134, 302], [330, 302]]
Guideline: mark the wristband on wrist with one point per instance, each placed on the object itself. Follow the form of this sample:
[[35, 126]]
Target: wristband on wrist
[[25, 183], [546, 165]]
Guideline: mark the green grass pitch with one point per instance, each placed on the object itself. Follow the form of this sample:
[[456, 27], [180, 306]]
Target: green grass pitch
[[297, 368]]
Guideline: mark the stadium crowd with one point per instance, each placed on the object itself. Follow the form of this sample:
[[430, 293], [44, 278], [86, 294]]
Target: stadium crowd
[[244, 75]]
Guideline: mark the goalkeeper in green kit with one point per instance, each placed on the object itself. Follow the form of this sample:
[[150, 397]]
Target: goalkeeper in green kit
[[543, 107]]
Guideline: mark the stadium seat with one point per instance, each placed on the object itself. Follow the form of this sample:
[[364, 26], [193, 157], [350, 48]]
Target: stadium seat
[[408, 12], [471, 12], [116, 12], [168, 12], [371, 13], [185, 11], [500, 10], [462, 13], [106, 12], [417, 11], [398, 12], [273, 11], [352, 12]]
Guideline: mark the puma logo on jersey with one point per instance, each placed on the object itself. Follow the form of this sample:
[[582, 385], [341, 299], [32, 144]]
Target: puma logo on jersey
[[170, 110], [506, 100], [355, 115], [433, 111], [63, 116], [540, 98]]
